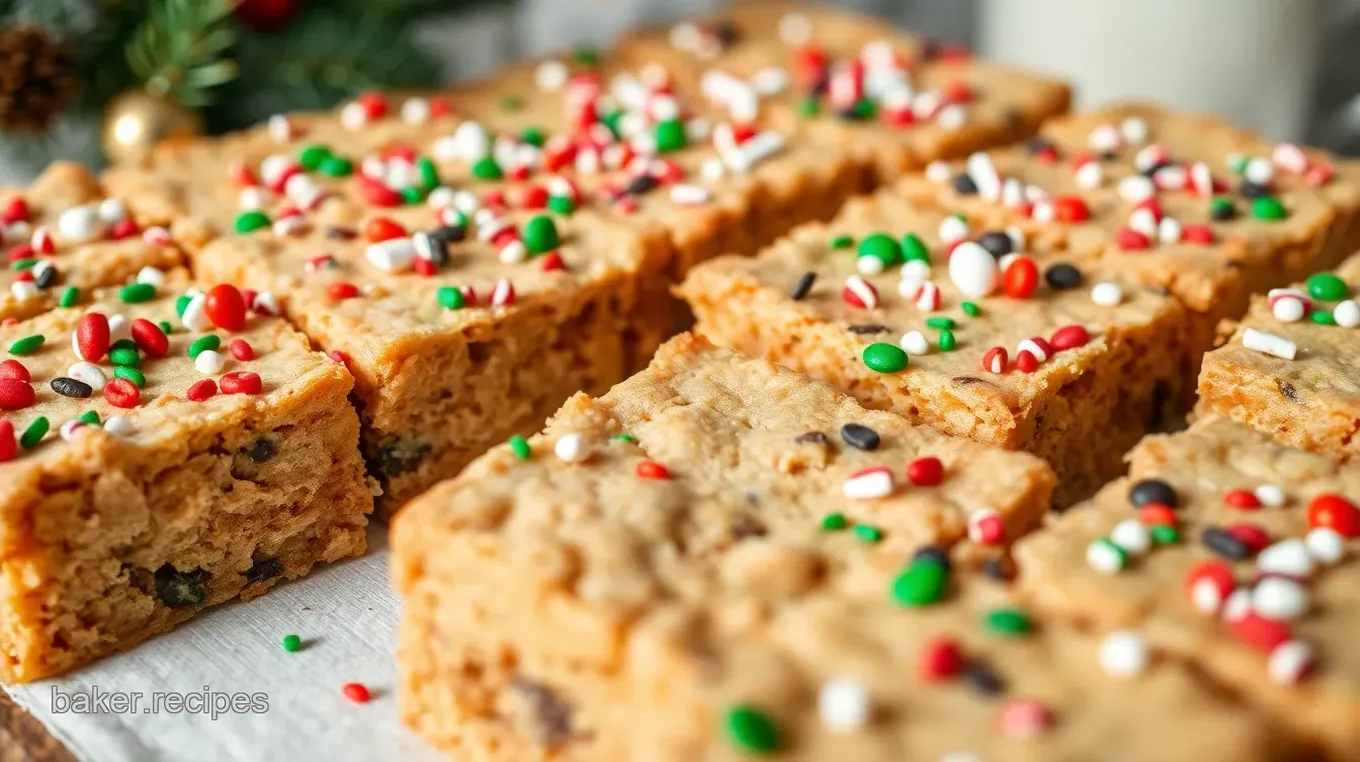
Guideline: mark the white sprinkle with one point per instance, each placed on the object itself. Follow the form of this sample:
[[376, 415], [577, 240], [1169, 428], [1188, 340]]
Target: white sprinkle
[[1206, 596], [1012, 193], [119, 328], [952, 117], [1169, 230], [1279, 598], [1144, 221], [502, 294], [1033, 347], [868, 266], [571, 448], [1270, 495], [266, 303], [1269, 343], [119, 426], [983, 171], [1346, 313], [843, 705], [151, 275], [1260, 170], [973, 270], [88, 373], [353, 116], [440, 198], [927, 298], [392, 255], [938, 171], [514, 252], [1132, 536], [914, 343], [251, 199], [794, 29], [1136, 189], [757, 148], [280, 128], [1103, 558], [209, 362], [1289, 557], [195, 317], [685, 36], [769, 81], [1171, 177], [1288, 309], [1090, 175], [1134, 129], [869, 484], [685, 194], [276, 166], [918, 270], [953, 228], [1325, 545], [1237, 605], [1202, 178], [79, 224], [1290, 158], [1105, 138], [1123, 653], [712, 169], [471, 142], [1289, 662], [1107, 294], [23, 290]]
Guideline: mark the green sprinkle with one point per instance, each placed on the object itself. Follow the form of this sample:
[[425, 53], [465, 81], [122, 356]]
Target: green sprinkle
[[612, 120], [1237, 163], [881, 247], [428, 173], [885, 358], [586, 56], [203, 344], [834, 522], [337, 166], [864, 109], [249, 222], [920, 584], [70, 296], [27, 345], [182, 304], [520, 447], [1007, 622], [1327, 287], [1104, 556], [1267, 208], [947, 341], [125, 356], [136, 293], [486, 168], [866, 533], [842, 242], [35, 432], [292, 643], [313, 156], [1165, 534], [914, 248], [561, 205], [165, 327], [89, 417], [624, 436], [1222, 209], [123, 344], [412, 195], [511, 102], [1322, 317], [132, 374], [750, 730], [809, 106], [970, 309], [670, 136], [940, 323], [449, 298], [23, 264], [540, 235], [533, 136]]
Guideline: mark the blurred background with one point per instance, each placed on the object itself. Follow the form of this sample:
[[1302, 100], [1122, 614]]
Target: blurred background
[[71, 71]]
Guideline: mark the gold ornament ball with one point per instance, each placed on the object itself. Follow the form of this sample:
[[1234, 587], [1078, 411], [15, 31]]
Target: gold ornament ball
[[136, 121]]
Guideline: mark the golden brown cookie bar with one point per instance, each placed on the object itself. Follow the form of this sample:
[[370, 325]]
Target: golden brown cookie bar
[[162, 450], [63, 236], [851, 83], [463, 323], [1290, 367], [959, 327], [1233, 552], [721, 558]]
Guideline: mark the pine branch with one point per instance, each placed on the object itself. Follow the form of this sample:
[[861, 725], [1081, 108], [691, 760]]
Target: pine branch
[[182, 49]]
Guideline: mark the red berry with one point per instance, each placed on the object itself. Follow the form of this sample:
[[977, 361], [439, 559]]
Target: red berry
[[201, 390], [379, 229], [1242, 499], [121, 392], [92, 336], [927, 471], [241, 350], [241, 382], [994, 361], [1021, 278], [649, 469], [356, 692], [8, 445], [1069, 337], [150, 338], [1336, 513], [1070, 209], [15, 370], [941, 658], [225, 307], [342, 290], [15, 394]]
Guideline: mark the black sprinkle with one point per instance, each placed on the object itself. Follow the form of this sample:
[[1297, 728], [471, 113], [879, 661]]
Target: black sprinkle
[[812, 437], [261, 451], [997, 569], [1224, 544], [46, 278], [726, 32], [964, 185], [178, 589], [438, 248], [804, 285], [997, 243], [1249, 189], [936, 553], [1063, 277], [983, 680], [551, 712], [860, 437], [1153, 491], [1290, 393], [867, 328], [451, 233], [70, 387], [852, 115], [263, 569], [640, 185], [341, 234], [1222, 212]]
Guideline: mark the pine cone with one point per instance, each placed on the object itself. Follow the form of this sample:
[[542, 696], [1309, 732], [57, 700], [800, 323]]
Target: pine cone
[[38, 78]]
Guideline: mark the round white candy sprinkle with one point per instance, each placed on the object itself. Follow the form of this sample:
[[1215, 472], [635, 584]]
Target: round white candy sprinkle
[[1289, 662], [1106, 137], [79, 224], [1143, 221], [571, 448], [415, 111], [771, 80], [1269, 343], [1325, 545], [685, 194], [869, 265], [1134, 129], [250, 199], [917, 270], [1260, 170], [1346, 313], [1104, 558], [119, 328], [938, 171], [982, 170], [952, 117], [1279, 598], [111, 210], [151, 275], [1270, 495], [1136, 189], [1205, 596], [1132, 536], [441, 197], [353, 116], [1089, 175], [1107, 294], [280, 128], [472, 141], [1289, 556], [209, 362], [1169, 230], [712, 169], [973, 270], [1288, 309], [195, 317], [1237, 605], [119, 426], [685, 36], [88, 373], [914, 343], [869, 484], [843, 705], [23, 290], [1123, 654]]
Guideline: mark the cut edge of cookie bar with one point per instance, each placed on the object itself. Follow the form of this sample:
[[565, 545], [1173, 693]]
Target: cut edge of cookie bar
[[1291, 377], [105, 542], [548, 646]]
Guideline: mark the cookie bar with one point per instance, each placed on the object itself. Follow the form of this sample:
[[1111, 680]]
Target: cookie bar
[[63, 236], [969, 330], [162, 450], [1289, 368], [1233, 552], [463, 323], [851, 83], [721, 558]]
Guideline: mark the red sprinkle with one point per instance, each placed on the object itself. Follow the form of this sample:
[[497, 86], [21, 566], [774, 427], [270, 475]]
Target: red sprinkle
[[377, 194], [1336, 513], [650, 469], [121, 392], [995, 359], [356, 692], [122, 229], [1026, 362], [1129, 239], [533, 197], [1242, 499], [424, 267], [22, 251], [374, 103], [1259, 632], [1022, 718], [941, 658], [1210, 572], [201, 390], [380, 229], [1021, 278], [1252, 536], [1070, 209], [241, 349], [1198, 233], [15, 394], [927, 471], [552, 262], [1157, 514], [15, 211], [8, 445], [241, 382], [150, 338], [1069, 337], [342, 290], [92, 336], [225, 307], [15, 370]]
